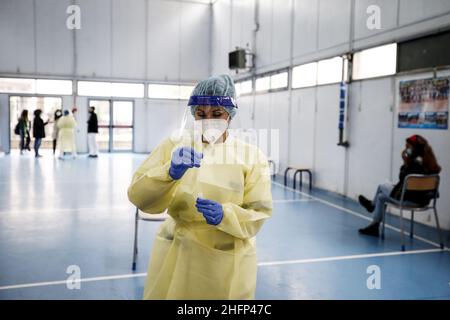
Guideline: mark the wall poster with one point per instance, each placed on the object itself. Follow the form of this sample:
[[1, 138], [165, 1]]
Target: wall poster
[[424, 103]]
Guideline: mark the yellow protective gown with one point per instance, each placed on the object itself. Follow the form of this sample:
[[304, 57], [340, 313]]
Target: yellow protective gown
[[66, 134], [190, 258]]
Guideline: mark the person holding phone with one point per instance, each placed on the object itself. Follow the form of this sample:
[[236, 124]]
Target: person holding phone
[[418, 158]]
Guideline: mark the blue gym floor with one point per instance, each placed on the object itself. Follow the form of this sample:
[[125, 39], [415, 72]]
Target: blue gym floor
[[54, 214]]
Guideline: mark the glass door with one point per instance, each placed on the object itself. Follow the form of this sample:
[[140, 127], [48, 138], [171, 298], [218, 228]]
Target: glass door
[[122, 126], [115, 124]]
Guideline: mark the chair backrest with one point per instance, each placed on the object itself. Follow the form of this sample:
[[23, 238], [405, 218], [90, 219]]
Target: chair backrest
[[421, 182], [415, 182]]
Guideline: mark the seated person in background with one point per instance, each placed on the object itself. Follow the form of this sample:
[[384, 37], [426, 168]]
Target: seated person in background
[[418, 158]]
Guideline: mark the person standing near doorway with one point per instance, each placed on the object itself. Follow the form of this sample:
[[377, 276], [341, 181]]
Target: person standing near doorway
[[92, 133], [58, 114], [38, 131], [24, 131], [66, 136]]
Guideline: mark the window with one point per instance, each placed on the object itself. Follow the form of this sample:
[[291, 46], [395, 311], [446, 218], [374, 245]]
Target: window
[[93, 88], [329, 71], [33, 86], [243, 87], [110, 89], [44, 86], [279, 80], [262, 84], [273, 81], [246, 87], [304, 75], [169, 91], [130, 90], [424, 53], [375, 62], [185, 92], [14, 85]]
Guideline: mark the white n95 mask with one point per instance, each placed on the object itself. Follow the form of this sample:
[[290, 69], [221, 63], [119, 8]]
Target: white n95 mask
[[212, 129]]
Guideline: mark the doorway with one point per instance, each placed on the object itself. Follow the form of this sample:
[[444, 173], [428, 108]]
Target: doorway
[[115, 124], [48, 105]]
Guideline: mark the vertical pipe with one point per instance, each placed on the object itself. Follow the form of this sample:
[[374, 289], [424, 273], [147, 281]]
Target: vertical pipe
[[210, 37], [344, 132], [74, 63], [255, 55], [146, 76], [291, 64], [35, 36], [111, 39]]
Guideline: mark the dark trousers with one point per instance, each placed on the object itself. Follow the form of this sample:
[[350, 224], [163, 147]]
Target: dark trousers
[[37, 145], [24, 140]]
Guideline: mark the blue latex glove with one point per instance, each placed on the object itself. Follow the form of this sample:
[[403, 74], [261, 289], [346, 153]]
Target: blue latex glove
[[211, 210], [182, 159]]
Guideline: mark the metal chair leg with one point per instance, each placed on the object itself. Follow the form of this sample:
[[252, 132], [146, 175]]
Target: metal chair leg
[[301, 180], [135, 246], [285, 175], [402, 231], [411, 232], [441, 240], [295, 178], [383, 222], [310, 180]]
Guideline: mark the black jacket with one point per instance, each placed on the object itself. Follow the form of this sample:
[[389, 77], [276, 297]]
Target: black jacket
[[419, 197], [39, 128], [93, 123]]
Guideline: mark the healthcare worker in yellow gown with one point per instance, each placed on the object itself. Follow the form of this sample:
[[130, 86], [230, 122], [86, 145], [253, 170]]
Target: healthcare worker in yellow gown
[[217, 191], [66, 134]]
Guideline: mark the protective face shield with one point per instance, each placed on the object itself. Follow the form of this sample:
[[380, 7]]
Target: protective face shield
[[222, 101], [210, 129]]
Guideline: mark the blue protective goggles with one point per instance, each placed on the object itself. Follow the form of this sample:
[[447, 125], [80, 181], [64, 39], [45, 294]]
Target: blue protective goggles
[[223, 101]]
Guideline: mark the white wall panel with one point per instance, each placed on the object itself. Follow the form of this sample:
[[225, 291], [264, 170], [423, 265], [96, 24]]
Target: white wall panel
[[281, 31], [17, 36], [195, 49], [163, 117], [262, 111], [388, 17], [163, 47], [264, 35], [370, 134], [329, 158], [279, 119], [54, 42], [305, 26], [416, 10], [4, 122], [128, 39], [93, 40], [242, 23], [244, 115], [334, 22], [302, 127], [221, 36]]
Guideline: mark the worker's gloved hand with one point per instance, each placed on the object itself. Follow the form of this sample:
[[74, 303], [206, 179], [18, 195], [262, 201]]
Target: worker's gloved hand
[[211, 210], [182, 159]]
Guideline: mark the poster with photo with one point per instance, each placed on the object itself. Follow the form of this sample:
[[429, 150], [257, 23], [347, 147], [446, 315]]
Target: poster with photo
[[424, 103]]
